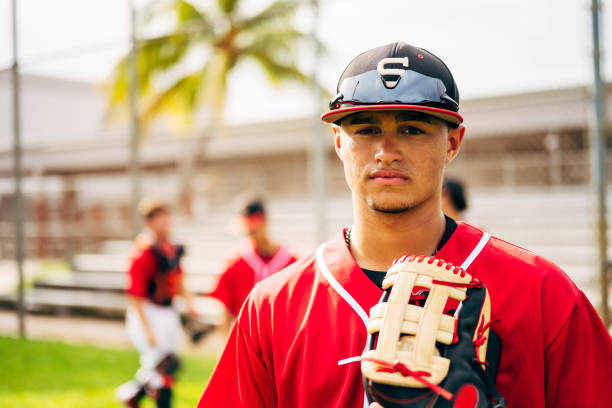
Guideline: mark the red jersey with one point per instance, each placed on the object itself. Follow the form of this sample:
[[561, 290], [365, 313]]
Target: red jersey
[[244, 271], [295, 327], [149, 274]]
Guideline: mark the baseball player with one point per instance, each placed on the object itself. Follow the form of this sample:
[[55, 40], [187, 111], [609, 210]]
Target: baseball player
[[396, 125], [153, 326], [255, 259], [454, 200]]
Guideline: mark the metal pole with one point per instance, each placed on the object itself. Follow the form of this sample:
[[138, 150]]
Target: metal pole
[[598, 161], [17, 174], [135, 178], [318, 145]]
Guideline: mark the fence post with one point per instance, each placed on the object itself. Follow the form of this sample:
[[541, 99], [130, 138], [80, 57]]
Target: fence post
[[599, 162]]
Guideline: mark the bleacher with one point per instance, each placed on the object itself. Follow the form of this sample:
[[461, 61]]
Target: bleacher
[[556, 223]]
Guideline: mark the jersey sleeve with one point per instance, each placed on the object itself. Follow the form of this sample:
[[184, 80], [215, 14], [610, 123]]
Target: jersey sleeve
[[140, 273], [240, 379], [227, 289], [579, 360]]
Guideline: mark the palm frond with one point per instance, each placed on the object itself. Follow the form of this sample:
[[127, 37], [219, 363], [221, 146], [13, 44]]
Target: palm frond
[[228, 6], [278, 35], [117, 88], [215, 80], [187, 12], [154, 9], [267, 37], [275, 49], [278, 71], [179, 100], [155, 57], [280, 9]]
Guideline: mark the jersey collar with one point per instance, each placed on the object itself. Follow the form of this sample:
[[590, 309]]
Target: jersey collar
[[336, 263]]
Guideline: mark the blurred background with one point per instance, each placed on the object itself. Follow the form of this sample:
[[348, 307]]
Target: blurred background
[[198, 101]]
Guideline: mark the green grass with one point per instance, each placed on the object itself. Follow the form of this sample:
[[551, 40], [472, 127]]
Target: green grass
[[46, 374]]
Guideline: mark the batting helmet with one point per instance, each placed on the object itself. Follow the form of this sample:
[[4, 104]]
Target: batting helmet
[[396, 76]]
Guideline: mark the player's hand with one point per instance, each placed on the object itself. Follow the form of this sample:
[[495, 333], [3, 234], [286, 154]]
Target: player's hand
[[151, 339]]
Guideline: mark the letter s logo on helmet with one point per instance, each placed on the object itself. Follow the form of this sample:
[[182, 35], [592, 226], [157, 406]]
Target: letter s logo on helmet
[[391, 75]]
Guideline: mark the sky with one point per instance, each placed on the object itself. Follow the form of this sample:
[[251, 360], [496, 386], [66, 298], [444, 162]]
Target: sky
[[492, 47]]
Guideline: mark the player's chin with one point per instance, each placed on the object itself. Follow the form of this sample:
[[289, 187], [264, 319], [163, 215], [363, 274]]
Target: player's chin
[[390, 204]]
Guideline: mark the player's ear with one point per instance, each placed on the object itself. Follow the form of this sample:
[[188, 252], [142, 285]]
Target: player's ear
[[337, 131], [454, 140]]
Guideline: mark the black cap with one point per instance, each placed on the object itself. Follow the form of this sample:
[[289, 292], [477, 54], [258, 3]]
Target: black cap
[[396, 76], [247, 204], [255, 207]]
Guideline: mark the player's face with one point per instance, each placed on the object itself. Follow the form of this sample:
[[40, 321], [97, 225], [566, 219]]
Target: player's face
[[160, 224], [394, 160], [254, 225]]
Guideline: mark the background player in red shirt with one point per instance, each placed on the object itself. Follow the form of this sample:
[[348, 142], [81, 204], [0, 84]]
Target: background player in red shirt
[[155, 278], [454, 198], [396, 125], [255, 259]]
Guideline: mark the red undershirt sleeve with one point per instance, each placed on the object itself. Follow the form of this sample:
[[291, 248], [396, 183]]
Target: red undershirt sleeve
[[579, 361], [240, 378]]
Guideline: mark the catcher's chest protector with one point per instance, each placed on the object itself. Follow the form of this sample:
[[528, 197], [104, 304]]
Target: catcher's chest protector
[[438, 354]]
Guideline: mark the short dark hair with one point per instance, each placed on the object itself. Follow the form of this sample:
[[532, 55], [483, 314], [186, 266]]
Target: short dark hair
[[247, 204], [451, 125], [456, 192]]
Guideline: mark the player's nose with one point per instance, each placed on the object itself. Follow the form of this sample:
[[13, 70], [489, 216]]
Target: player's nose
[[388, 150]]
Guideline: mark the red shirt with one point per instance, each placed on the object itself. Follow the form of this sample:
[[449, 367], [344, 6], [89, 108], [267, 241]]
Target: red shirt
[[295, 327], [244, 270], [147, 280]]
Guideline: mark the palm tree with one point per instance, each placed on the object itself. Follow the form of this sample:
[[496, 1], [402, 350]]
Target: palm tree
[[168, 81]]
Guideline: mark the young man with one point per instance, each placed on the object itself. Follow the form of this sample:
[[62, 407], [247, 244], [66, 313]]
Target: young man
[[154, 279], [396, 126], [257, 258]]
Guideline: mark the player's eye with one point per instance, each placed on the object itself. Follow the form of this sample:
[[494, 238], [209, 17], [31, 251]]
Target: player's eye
[[411, 130], [368, 131]]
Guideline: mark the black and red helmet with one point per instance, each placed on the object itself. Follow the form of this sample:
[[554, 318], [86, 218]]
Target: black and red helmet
[[396, 76]]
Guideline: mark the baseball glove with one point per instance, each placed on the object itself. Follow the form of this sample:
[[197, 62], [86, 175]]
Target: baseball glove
[[430, 343], [195, 328]]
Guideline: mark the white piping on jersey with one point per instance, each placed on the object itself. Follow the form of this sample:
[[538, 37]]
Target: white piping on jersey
[[338, 287], [349, 360], [476, 251], [349, 299]]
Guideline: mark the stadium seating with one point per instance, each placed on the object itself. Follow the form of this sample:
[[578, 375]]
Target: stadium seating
[[556, 223]]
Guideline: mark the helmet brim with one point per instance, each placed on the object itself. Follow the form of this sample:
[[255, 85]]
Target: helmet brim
[[337, 114]]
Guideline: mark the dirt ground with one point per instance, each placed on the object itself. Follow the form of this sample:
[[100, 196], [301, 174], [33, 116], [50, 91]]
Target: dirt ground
[[92, 331]]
